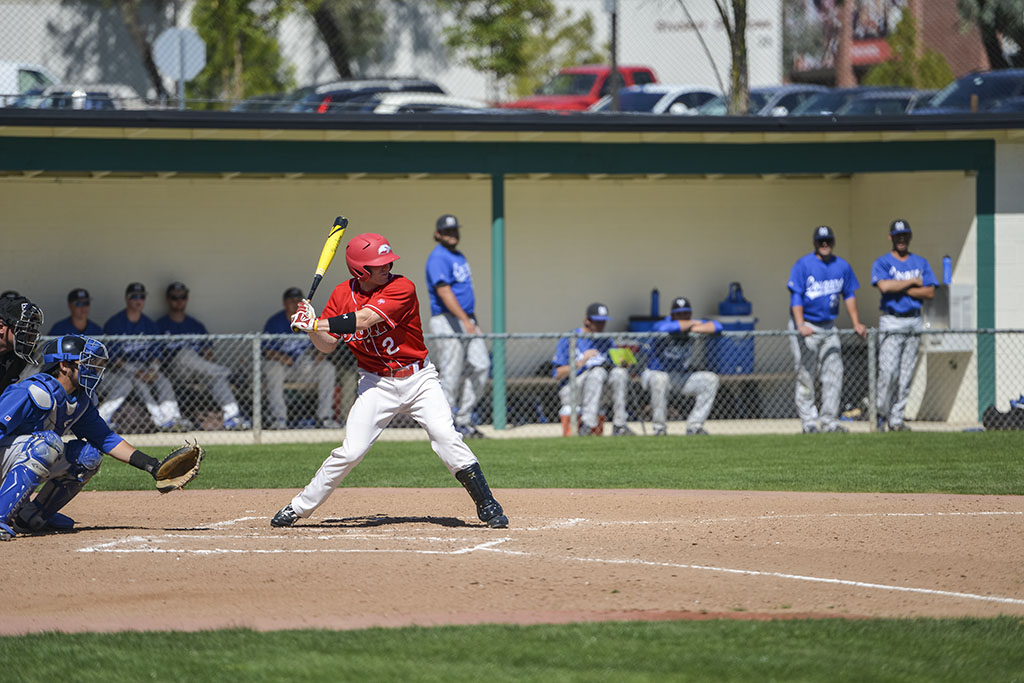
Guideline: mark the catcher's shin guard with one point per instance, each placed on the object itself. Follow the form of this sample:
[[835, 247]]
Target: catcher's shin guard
[[37, 454], [487, 508], [40, 514]]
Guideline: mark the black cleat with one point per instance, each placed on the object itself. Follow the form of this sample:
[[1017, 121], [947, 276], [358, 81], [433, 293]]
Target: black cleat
[[286, 516], [492, 515]]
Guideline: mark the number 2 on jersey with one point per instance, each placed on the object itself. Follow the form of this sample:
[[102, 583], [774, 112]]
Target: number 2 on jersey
[[389, 346]]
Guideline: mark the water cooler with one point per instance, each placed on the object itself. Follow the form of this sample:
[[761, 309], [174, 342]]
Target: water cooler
[[729, 355]]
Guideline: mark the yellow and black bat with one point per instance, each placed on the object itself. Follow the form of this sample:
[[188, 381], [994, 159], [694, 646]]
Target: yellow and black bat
[[327, 253]]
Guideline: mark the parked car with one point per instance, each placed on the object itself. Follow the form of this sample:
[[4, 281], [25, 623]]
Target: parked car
[[575, 88], [259, 103], [415, 102], [84, 97], [824, 103], [19, 78], [891, 102], [990, 87], [334, 98], [1010, 104], [658, 98], [776, 100]]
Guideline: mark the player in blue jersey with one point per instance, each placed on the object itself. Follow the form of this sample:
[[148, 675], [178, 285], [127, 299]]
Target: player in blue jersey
[[294, 360], [905, 280], [79, 303], [668, 365], [817, 283], [193, 359], [464, 363], [135, 366], [20, 320], [593, 370], [36, 413]]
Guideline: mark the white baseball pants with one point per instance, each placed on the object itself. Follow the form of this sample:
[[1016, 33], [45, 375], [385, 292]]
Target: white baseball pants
[[454, 355], [590, 388], [897, 358], [305, 369], [703, 386], [380, 399], [819, 355], [188, 364], [119, 384]]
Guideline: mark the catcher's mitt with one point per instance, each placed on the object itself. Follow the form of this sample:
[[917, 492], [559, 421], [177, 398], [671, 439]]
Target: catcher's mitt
[[179, 468]]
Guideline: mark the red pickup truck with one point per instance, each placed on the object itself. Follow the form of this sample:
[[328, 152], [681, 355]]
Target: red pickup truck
[[575, 88]]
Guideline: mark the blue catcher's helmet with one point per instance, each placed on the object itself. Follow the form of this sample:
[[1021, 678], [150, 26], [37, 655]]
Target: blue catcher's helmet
[[90, 354]]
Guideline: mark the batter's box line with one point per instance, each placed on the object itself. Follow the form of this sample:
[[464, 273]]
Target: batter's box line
[[150, 545]]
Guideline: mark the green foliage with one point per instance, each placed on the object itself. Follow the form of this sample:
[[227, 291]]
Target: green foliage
[[995, 19], [972, 463], [352, 30], [911, 650], [519, 40], [905, 69], [243, 58]]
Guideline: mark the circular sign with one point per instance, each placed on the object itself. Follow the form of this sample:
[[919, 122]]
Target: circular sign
[[179, 54]]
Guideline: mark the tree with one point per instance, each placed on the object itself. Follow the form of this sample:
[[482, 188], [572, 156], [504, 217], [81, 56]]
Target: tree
[[517, 39], [351, 29], [143, 37], [996, 19], [736, 30], [905, 68], [243, 57]]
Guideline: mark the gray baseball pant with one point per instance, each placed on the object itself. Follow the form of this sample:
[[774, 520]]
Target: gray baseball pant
[[454, 355], [304, 369], [188, 364], [897, 358], [590, 385], [123, 381], [703, 386], [819, 355]]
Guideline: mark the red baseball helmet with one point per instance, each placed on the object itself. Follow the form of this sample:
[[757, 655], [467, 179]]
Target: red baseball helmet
[[368, 249]]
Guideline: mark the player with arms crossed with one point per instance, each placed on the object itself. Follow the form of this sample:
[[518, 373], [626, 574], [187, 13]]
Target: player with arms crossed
[[905, 280], [36, 413], [377, 314]]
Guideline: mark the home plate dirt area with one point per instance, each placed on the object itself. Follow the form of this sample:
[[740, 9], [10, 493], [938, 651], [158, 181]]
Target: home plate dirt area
[[393, 557]]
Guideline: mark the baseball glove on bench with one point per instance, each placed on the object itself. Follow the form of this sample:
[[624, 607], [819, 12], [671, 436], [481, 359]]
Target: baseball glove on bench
[[179, 468]]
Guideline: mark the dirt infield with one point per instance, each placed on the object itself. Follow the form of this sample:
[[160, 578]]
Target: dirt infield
[[392, 557]]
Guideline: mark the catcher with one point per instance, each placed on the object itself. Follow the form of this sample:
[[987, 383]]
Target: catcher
[[36, 412]]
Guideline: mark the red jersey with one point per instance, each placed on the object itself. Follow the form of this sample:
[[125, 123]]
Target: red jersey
[[391, 344]]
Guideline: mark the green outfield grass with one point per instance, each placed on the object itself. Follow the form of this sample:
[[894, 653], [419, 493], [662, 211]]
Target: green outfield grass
[[973, 463], [909, 651]]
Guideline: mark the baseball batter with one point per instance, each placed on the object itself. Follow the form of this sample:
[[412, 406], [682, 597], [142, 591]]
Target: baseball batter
[[377, 314], [817, 282], [904, 280]]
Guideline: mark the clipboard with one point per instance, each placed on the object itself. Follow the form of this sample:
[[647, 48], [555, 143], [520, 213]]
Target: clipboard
[[622, 356]]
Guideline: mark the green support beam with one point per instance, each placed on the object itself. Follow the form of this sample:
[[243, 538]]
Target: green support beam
[[498, 360]]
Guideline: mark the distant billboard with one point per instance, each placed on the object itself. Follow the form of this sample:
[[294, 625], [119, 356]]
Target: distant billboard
[[812, 33]]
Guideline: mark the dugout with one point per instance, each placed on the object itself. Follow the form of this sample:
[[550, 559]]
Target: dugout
[[559, 210]]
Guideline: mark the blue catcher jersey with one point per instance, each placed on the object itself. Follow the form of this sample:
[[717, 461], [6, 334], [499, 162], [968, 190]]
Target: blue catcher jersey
[[583, 344], [819, 286], [65, 326], [40, 403], [138, 351], [187, 326], [888, 267], [446, 267], [280, 324]]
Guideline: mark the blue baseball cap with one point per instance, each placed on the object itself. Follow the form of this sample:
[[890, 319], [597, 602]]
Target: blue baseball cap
[[900, 227], [823, 233], [597, 312]]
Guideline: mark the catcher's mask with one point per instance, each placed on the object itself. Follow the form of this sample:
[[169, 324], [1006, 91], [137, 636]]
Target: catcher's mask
[[368, 249], [90, 354], [25, 318]]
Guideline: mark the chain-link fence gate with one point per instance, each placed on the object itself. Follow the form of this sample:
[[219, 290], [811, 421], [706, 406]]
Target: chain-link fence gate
[[751, 378]]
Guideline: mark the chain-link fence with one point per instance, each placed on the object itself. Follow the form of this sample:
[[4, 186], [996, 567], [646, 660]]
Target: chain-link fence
[[277, 388], [308, 56]]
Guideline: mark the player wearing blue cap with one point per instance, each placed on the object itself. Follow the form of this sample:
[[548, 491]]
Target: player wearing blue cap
[[668, 365], [464, 363], [905, 280], [592, 372], [817, 282]]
